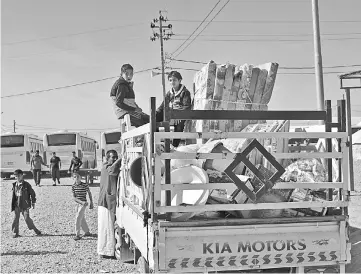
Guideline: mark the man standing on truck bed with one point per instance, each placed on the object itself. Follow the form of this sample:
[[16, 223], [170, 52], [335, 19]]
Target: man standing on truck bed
[[75, 163], [123, 98], [35, 165], [107, 204]]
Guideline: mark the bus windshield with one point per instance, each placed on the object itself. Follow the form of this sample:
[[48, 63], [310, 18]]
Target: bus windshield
[[12, 141], [112, 138], [61, 139]]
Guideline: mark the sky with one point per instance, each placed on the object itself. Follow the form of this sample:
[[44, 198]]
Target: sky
[[47, 44]]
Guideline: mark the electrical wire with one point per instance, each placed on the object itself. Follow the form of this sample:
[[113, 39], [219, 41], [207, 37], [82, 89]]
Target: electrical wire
[[196, 28], [268, 21], [202, 29], [276, 35], [291, 68], [70, 86], [40, 128], [271, 40], [68, 35], [67, 50]]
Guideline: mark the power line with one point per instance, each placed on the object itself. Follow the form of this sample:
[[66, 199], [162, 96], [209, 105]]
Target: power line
[[66, 50], [202, 29], [69, 86], [273, 40], [311, 67], [196, 28], [269, 21], [72, 34], [274, 35], [40, 128]]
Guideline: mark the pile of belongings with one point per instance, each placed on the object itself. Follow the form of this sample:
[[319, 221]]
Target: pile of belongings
[[231, 87]]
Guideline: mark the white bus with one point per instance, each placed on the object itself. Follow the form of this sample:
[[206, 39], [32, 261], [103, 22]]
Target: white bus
[[17, 150], [63, 143], [110, 140]]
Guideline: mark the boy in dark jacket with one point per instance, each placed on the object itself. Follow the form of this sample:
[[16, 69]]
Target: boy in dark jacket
[[123, 98], [179, 98], [23, 199]]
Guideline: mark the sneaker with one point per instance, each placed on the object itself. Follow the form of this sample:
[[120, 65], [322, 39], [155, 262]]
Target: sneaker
[[16, 235], [76, 238], [38, 232], [87, 234], [54, 184]]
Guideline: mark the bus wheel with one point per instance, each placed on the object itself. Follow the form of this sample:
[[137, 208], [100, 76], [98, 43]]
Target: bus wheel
[[142, 265]]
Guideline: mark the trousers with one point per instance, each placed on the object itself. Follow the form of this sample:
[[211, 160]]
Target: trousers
[[37, 176], [80, 222], [26, 214]]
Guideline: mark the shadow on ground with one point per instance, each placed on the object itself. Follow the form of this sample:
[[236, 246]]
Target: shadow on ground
[[355, 239], [32, 253]]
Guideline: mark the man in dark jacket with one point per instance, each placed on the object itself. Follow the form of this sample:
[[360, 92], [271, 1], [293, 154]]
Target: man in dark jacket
[[123, 98], [23, 198], [107, 204], [75, 163]]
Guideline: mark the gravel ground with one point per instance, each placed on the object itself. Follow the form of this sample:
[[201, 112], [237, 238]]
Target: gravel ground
[[55, 251]]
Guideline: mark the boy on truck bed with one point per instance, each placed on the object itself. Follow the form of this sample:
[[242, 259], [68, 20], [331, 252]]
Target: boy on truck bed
[[123, 98]]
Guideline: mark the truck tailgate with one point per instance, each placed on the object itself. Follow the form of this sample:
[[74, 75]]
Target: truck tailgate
[[220, 248]]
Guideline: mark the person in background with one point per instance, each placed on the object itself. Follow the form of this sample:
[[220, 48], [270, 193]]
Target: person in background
[[123, 98], [35, 164], [23, 199], [80, 190], [107, 204], [75, 163], [179, 98], [55, 166]]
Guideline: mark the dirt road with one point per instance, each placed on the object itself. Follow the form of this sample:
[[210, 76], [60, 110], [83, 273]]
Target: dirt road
[[55, 251]]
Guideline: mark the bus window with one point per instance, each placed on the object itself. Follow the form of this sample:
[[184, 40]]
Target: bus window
[[112, 137], [12, 141], [61, 139]]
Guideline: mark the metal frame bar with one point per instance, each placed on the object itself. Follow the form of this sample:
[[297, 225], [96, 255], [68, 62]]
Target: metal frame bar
[[247, 115]]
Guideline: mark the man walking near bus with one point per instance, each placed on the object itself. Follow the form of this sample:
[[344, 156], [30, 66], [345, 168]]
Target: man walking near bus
[[75, 163], [55, 166], [35, 164], [23, 199]]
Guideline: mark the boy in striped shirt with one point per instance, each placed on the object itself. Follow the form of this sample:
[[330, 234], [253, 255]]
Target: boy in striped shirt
[[80, 191]]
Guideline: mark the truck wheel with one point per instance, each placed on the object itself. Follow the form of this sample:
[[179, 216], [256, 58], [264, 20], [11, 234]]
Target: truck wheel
[[119, 242], [142, 265]]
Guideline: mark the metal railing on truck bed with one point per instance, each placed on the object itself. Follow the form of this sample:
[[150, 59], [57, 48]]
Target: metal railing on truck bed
[[157, 213]]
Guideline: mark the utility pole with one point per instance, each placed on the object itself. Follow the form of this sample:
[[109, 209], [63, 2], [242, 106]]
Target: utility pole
[[14, 126], [318, 56], [165, 33]]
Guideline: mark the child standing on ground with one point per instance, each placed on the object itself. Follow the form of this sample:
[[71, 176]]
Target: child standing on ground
[[80, 191]]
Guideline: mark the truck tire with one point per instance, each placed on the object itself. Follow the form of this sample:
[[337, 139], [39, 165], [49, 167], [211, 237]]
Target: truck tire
[[119, 242], [142, 265]]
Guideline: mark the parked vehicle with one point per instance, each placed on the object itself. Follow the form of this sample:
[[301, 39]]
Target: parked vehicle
[[63, 143], [160, 243], [17, 150], [110, 140]]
